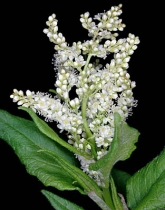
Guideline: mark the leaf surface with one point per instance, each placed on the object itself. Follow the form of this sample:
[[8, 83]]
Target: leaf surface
[[59, 203], [146, 188], [26, 140]]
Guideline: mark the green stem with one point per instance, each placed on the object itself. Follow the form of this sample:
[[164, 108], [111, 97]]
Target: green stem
[[107, 198], [86, 127], [83, 112], [84, 104], [87, 62], [116, 200]]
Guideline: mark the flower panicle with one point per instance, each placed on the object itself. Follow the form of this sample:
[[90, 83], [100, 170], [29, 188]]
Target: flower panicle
[[99, 91]]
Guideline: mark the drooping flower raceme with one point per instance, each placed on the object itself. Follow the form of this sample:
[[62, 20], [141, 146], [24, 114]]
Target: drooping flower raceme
[[88, 118]]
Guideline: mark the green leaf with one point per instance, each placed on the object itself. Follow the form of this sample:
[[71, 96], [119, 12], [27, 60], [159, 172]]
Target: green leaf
[[44, 128], [92, 189], [120, 178], [26, 140], [60, 203], [83, 179], [146, 188], [122, 146]]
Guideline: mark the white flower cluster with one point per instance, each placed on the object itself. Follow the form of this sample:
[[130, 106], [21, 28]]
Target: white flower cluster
[[51, 108], [100, 90], [107, 22]]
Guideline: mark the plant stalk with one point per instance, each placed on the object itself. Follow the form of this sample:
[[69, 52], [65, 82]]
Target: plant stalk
[[108, 198]]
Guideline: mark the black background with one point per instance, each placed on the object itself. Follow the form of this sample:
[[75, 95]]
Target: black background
[[26, 56]]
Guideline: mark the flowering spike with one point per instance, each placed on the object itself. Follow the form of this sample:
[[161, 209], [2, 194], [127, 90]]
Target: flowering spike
[[100, 91]]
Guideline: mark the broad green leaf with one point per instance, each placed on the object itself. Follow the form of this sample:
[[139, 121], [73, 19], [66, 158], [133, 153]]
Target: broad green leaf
[[122, 146], [120, 178], [83, 179], [146, 188], [44, 128], [59, 203], [26, 140]]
